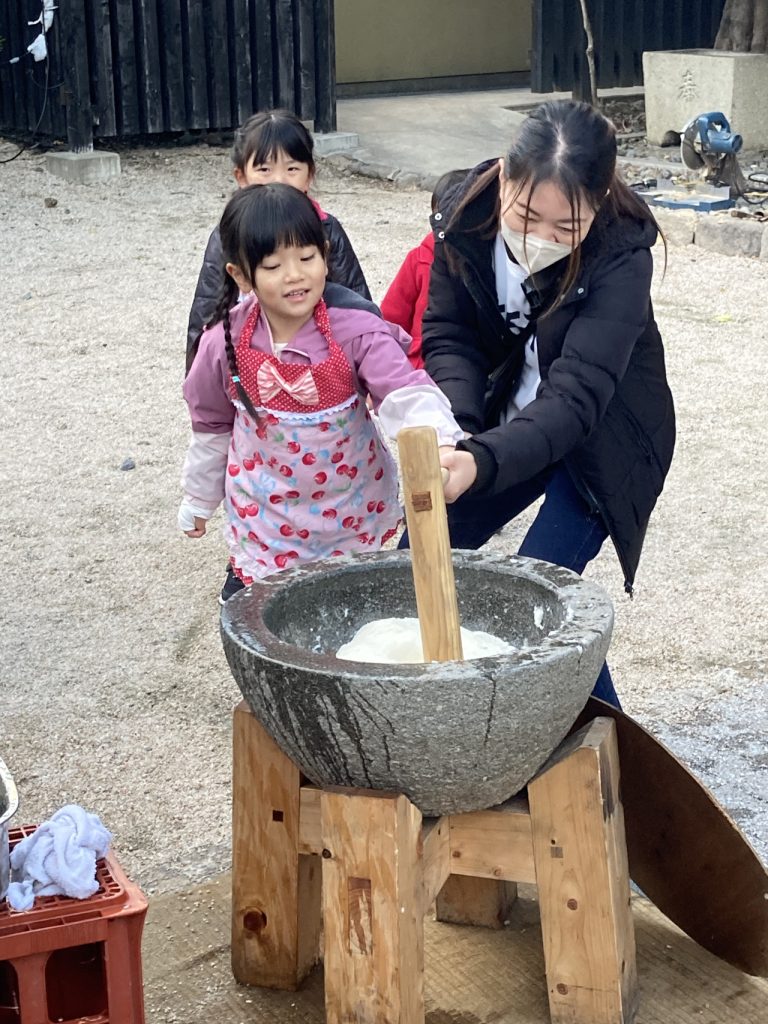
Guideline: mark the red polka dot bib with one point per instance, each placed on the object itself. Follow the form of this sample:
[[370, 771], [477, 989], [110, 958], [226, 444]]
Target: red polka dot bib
[[293, 387]]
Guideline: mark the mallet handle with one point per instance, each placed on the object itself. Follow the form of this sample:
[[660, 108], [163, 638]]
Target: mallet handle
[[430, 544]]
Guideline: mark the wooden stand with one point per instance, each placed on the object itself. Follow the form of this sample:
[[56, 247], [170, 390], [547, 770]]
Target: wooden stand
[[382, 868]]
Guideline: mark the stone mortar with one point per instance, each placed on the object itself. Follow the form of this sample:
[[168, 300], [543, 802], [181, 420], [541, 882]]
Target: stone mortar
[[453, 736]]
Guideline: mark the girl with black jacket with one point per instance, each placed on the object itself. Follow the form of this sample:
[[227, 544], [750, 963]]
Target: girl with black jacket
[[272, 146], [540, 330]]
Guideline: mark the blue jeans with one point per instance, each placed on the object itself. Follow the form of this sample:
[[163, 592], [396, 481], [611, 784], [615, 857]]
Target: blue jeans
[[564, 532]]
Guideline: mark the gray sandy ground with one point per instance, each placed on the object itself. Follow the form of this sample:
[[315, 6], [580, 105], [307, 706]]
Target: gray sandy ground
[[114, 690]]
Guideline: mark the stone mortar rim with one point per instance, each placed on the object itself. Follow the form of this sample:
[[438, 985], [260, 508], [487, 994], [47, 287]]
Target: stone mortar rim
[[591, 612]]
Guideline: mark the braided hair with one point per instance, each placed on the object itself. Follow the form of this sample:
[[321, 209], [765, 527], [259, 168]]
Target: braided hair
[[256, 222]]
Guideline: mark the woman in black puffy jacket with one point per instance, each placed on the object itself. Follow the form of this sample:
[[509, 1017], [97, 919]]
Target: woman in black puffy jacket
[[540, 330], [272, 145]]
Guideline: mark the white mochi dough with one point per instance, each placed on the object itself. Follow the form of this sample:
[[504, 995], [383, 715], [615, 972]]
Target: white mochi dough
[[398, 641]]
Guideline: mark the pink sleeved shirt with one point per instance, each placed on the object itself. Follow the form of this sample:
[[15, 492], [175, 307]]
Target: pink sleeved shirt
[[376, 351]]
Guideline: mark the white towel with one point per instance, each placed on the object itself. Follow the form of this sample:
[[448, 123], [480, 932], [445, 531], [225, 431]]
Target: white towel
[[58, 859]]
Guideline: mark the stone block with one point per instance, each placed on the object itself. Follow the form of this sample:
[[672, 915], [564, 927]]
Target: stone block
[[729, 236], [85, 168], [336, 142], [679, 226], [764, 244], [680, 84]]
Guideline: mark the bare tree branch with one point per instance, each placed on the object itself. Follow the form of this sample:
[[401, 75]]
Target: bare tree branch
[[594, 99]]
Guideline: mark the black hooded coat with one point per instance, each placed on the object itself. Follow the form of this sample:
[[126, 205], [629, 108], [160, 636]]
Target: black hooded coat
[[603, 407]]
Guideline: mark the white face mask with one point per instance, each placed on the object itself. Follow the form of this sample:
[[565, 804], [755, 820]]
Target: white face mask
[[531, 252]]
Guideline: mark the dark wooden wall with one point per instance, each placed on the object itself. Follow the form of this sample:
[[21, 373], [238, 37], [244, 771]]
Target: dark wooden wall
[[623, 29], [142, 67]]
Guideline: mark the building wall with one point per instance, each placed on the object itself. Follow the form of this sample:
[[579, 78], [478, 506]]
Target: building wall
[[387, 40]]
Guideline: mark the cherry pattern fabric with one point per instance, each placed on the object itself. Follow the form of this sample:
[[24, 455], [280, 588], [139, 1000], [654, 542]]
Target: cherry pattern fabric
[[305, 480]]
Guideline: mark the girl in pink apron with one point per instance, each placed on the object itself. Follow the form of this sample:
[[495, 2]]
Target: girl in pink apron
[[280, 428]]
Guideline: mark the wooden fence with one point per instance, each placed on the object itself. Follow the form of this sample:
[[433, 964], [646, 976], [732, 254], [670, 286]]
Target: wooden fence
[[142, 67], [623, 29]]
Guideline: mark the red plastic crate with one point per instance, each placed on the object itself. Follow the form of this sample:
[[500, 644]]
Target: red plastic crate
[[66, 960]]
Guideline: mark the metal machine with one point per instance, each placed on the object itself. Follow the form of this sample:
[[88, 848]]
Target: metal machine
[[708, 145]]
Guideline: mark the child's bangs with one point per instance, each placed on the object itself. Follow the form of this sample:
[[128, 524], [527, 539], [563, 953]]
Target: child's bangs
[[287, 219], [302, 236], [296, 221], [278, 136]]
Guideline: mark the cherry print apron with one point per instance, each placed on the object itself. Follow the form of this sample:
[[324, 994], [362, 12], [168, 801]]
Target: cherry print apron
[[310, 477]]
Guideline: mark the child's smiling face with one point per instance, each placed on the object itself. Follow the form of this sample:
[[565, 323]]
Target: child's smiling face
[[279, 167], [288, 284]]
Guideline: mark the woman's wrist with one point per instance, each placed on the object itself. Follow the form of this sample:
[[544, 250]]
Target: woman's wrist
[[485, 462]]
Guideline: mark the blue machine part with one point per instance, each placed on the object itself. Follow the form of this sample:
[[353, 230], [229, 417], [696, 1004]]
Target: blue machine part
[[715, 134]]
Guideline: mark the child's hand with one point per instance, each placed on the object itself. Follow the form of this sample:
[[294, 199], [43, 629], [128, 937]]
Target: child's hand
[[199, 530], [462, 471], [192, 518]]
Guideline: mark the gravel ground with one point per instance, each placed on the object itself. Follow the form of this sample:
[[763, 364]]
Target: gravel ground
[[115, 693]]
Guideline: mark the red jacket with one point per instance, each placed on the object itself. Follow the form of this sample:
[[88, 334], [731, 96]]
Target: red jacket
[[406, 298]]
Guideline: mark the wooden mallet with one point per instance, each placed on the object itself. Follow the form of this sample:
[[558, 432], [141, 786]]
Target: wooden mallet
[[433, 579]]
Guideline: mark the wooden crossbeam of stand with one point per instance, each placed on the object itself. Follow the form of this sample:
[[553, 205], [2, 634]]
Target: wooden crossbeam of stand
[[496, 844], [383, 868]]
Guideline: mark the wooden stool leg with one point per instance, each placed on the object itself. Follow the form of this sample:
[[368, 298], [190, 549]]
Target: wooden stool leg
[[372, 908], [483, 902], [275, 890], [581, 871]]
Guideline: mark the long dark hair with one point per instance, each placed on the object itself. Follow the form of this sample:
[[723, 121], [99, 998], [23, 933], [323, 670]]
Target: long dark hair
[[268, 132], [573, 146], [256, 222]]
